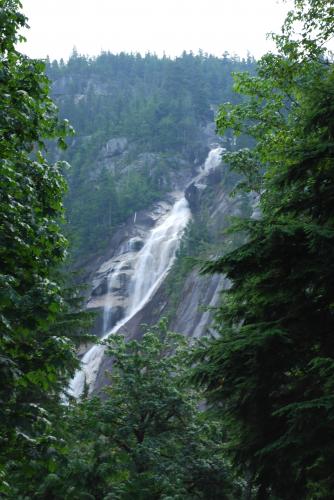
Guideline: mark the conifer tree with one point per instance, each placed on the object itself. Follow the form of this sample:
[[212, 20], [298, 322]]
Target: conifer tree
[[271, 371]]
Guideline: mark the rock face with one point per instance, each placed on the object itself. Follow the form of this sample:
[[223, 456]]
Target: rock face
[[192, 194], [119, 157], [110, 275], [201, 295], [206, 190], [133, 278]]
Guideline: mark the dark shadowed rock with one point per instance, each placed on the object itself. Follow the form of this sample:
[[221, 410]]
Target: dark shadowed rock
[[98, 321], [144, 219], [192, 194], [116, 314], [101, 289], [214, 177], [135, 244]]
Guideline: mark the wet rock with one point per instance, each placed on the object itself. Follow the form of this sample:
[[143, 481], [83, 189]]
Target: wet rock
[[214, 177], [97, 326], [115, 314], [126, 267], [192, 194], [144, 219], [135, 244], [120, 285], [101, 289]]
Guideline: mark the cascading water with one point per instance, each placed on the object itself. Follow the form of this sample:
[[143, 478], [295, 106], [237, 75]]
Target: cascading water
[[148, 266], [153, 262], [157, 255], [213, 160]]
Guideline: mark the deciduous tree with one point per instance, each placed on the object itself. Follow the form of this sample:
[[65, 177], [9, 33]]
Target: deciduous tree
[[36, 356]]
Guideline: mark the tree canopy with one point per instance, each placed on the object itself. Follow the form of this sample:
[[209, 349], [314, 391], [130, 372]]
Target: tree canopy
[[160, 105], [272, 367], [143, 436], [37, 354]]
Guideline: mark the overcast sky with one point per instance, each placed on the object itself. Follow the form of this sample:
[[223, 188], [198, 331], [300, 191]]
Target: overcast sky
[[159, 26]]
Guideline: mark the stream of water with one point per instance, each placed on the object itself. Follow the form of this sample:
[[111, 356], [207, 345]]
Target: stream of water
[[151, 266]]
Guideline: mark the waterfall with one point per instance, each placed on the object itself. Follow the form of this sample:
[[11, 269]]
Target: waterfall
[[147, 268], [213, 160], [157, 255], [152, 264]]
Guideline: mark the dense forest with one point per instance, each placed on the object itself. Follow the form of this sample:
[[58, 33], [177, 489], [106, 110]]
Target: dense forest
[[158, 106], [244, 414]]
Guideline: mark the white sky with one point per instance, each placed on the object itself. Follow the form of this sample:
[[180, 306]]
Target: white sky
[[169, 26]]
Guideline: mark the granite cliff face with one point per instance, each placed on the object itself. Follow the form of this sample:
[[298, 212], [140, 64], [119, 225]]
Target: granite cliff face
[[147, 188], [128, 285]]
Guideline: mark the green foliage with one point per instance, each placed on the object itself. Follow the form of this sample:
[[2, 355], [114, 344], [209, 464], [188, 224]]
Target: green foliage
[[37, 354], [160, 105], [143, 98], [271, 366], [144, 437]]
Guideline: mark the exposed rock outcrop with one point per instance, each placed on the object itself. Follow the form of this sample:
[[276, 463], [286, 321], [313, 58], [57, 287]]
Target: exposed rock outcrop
[[207, 191], [201, 294]]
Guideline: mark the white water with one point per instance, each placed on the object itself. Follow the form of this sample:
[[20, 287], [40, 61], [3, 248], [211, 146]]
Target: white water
[[153, 263], [213, 160], [157, 255]]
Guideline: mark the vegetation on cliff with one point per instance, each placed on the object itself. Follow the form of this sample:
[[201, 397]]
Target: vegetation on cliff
[[266, 427], [156, 108]]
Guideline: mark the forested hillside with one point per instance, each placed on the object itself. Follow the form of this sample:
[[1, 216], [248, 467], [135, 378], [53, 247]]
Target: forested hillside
[[157, 108], [170, 225]]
